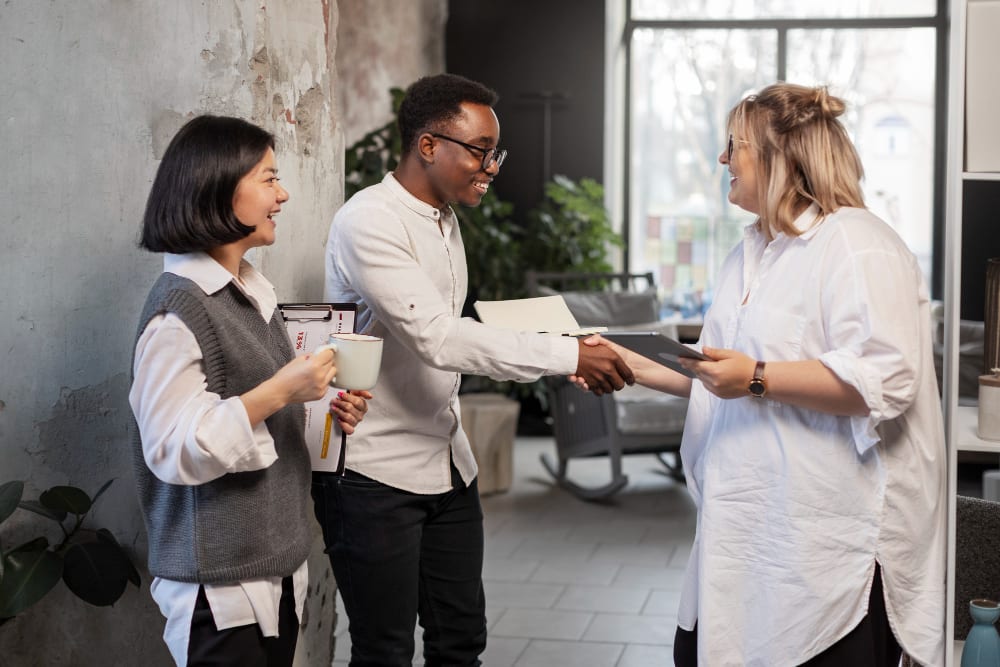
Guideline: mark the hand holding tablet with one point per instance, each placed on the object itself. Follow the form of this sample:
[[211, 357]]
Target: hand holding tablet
[[656, 347]]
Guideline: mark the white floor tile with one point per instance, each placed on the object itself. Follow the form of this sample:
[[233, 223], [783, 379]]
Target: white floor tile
[[663, 578], [542, 624], [632, 629], [529, 595], [662, 603], [569, 572], [603, 599], [637, 655], [508, 569], [503, 651], [570, 654]]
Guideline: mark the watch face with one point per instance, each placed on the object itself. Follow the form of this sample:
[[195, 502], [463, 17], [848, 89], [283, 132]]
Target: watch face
[[756, 387]]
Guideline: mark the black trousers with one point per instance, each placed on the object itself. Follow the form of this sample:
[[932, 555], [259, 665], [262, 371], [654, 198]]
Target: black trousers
[[870, 644], [398, 556], [243, 646]]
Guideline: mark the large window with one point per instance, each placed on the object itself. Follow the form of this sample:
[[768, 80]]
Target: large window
[[689, 61]]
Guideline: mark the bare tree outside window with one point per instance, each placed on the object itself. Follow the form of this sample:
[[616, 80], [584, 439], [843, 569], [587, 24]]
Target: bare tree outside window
[[686, 73]]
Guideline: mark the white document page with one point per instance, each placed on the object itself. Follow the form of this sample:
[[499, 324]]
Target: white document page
[[308, 328], [542, 314]]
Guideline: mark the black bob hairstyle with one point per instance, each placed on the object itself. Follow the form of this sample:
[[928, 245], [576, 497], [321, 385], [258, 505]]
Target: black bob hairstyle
[[434, 100], [190, 205]]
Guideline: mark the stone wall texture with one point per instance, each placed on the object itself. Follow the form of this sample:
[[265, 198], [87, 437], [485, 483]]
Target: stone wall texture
[[93, 91]]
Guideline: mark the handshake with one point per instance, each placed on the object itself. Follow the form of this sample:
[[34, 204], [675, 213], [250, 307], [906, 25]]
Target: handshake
[[601, 369]]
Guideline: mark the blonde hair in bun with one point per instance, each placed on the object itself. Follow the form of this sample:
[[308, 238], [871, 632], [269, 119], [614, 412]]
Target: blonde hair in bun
[[803, 152]]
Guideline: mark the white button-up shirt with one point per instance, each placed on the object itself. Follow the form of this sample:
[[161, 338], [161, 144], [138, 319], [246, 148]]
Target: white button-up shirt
[[403, 262], [795, 506], [192, 436]]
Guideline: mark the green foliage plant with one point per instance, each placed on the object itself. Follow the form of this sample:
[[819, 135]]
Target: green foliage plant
[[92, 563], [493, 249], [570, 230], [377, 153]]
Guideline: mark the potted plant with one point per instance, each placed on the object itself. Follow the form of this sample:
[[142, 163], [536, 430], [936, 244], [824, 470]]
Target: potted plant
[[92, 563]]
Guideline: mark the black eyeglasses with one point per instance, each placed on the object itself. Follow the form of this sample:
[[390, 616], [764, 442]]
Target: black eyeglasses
[[490, 155]]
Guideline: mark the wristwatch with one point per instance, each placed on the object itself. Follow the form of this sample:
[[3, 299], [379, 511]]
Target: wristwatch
[[757, 388]]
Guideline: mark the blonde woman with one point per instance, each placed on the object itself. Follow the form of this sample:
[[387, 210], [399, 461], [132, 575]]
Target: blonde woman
[[813, 445]]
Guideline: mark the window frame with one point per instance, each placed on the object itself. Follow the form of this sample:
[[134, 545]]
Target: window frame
[[619, 70]]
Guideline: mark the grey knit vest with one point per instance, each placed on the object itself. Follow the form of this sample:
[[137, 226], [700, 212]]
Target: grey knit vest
[[241, 525]]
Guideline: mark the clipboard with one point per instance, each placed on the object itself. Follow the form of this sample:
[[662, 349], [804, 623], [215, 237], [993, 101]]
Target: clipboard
[[656, 347], [309, 325]]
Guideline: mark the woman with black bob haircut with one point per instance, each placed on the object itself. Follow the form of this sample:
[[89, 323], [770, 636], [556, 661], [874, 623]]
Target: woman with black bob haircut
[[220, 459], [190, 206]]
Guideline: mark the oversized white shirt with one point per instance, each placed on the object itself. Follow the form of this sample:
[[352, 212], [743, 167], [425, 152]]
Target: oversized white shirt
[[191, 436], [403, 262], [795, 506]]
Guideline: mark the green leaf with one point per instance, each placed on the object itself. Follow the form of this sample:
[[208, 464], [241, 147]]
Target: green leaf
[[94, 572], [28, 576], [38, 508], [66, 498], [10, 496], [133, 574]]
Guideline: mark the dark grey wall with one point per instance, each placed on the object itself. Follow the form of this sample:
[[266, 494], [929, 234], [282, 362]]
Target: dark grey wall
[[522, 49], [980, 241]]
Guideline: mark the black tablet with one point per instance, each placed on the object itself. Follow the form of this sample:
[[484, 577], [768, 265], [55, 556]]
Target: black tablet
[[657, 347]]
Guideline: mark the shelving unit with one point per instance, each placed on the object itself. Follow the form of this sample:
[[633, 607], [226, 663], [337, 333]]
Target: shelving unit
[[966, 436], [960, 421]]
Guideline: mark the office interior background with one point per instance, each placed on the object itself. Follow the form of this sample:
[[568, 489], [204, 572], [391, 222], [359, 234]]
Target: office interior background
[[630, 93]]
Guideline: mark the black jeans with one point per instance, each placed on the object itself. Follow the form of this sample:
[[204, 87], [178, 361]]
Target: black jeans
[[397, 555]]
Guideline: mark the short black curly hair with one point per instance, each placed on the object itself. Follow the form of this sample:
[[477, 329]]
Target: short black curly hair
[[432, 100]]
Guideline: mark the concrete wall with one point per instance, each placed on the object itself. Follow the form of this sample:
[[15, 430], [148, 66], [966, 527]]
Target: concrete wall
[[92, 91], [384, 44]]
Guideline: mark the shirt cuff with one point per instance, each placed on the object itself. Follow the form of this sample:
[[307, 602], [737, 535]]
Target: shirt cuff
[[867, 381], [565, 354], [225, 431]]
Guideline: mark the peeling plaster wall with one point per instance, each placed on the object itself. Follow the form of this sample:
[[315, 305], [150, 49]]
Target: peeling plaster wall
[[384, 44], [93, 90]]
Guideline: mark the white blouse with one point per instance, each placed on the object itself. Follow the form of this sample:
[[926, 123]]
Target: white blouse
[[795, 506], [191, 436]]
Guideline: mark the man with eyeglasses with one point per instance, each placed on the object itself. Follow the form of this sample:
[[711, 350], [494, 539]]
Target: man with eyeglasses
[[403, 525]]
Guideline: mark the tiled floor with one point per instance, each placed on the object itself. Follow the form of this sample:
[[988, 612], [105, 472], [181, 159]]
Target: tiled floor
[[574, 583]]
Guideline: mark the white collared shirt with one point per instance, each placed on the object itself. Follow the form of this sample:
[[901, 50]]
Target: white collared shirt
[[795, 506], [192, 436], [403, 262]]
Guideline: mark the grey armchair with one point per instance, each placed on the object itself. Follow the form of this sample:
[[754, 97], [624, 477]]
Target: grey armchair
[[635, 420]]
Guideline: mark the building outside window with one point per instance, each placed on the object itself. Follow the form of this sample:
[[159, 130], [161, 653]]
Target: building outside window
[[687, 62]]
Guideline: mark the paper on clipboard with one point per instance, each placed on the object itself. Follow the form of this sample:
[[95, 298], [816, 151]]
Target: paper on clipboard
[[309, 325]]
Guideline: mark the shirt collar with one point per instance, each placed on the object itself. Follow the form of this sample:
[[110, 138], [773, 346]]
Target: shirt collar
[[407, 199], [807, 223], [210, 276]]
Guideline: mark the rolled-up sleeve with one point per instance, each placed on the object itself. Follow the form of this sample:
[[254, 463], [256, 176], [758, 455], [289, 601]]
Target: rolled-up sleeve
[[872, 309], [189, 435]]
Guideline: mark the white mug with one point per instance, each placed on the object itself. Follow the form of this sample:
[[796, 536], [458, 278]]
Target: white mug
[[358, 358]]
